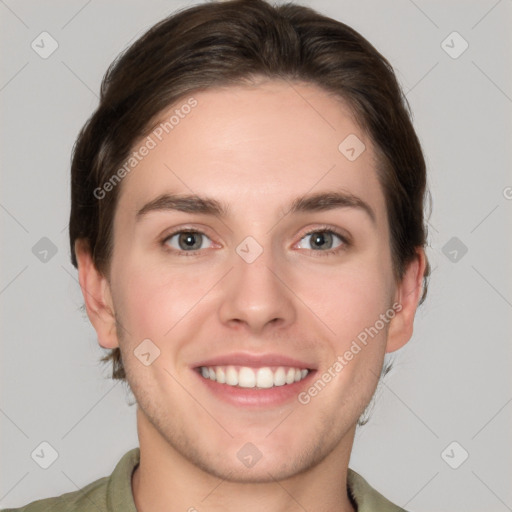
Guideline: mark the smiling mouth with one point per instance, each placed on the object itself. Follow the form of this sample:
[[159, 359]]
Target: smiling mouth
[[264, 377]]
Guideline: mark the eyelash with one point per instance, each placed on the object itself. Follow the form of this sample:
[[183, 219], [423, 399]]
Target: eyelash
[[345, 241]]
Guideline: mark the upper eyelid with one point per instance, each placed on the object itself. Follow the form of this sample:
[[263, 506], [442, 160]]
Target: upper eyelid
[[345, 239], [328, 229], [185, 230]]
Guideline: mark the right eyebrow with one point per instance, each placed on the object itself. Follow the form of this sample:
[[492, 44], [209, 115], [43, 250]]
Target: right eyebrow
[[185, 203]]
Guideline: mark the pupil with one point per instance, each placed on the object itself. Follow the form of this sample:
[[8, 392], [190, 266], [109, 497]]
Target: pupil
[[320, 239], [188, 240]]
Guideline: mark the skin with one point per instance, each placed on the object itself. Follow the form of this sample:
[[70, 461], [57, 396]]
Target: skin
[[256, 148]]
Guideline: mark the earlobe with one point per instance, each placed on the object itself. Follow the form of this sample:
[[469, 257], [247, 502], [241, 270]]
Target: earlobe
[[98, 300], [407, 295]]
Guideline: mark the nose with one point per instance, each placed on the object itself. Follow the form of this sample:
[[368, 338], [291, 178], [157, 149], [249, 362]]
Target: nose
[[256, 296]]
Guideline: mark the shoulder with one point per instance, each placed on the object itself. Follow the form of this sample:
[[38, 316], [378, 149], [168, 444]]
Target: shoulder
[[103, 495], [91, 497], [366, 497]]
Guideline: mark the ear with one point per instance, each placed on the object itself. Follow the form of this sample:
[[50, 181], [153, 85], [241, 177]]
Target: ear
[[98, 299], [408, 294]]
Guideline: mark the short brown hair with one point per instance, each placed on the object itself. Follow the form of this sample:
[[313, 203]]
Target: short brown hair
[[232, 42]]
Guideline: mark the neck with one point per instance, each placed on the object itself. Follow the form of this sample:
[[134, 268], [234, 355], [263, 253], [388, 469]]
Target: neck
[[165, 480]]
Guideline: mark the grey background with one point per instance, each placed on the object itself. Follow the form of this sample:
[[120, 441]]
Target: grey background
[[452, 382]]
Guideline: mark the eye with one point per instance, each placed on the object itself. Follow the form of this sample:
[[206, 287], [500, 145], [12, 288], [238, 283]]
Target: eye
[[186, 241], [324, 240]]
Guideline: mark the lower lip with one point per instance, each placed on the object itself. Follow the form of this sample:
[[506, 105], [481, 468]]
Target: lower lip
[[253, 397]]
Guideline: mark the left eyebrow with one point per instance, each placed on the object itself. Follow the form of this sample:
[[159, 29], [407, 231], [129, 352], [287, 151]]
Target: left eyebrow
[[321, 201], [324, 201]]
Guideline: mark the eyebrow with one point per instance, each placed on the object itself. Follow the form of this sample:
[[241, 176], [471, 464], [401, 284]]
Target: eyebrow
[[321, 201]]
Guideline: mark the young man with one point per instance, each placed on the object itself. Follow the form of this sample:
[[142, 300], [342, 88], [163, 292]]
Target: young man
[[247, 224]]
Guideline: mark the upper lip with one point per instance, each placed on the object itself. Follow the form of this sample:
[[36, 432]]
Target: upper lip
[[253, 360]]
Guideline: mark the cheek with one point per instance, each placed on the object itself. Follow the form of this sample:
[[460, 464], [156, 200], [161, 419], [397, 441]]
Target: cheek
[[358, 312], [151, 300], [348, 299]]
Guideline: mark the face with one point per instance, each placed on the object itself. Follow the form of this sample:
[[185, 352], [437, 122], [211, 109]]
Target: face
[[264, 283]]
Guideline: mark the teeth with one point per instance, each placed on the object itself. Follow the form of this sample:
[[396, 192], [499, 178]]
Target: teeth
[[246, 377], [264, 378], [280, 377], [231, 376], [221, 375]]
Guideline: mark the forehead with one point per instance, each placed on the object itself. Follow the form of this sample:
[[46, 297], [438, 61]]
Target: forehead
[[252, 145]]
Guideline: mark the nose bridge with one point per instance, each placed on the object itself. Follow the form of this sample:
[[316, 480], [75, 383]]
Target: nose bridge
[[254, 295]]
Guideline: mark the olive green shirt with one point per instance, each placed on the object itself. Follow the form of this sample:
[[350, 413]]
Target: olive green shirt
[[114, 493]]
